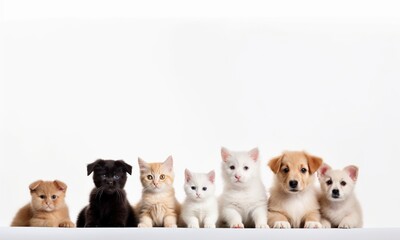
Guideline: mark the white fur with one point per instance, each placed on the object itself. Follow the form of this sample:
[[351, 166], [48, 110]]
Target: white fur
[[200, 208], [242, 203], [344, 211]]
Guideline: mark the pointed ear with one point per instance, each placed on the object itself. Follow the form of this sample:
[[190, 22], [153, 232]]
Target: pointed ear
[[91, 166], [322, 170], [254, 154], [225, 154], [275, 163], [35, 185], [188, 175], [127, 168], [313, 163], [211, 176], [60, 185], [169, 163], [352, 171], [142, 165]]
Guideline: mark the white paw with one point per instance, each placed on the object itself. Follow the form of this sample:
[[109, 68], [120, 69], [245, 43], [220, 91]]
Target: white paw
[[345, 225], [282, 224], [144, 225], [312, 224], [168, 225], [193, 225], [237, 225], [209, 225], [262, 225]]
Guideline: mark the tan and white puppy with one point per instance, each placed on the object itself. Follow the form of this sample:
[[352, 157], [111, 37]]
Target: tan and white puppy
[[339, 205], [293, 201]]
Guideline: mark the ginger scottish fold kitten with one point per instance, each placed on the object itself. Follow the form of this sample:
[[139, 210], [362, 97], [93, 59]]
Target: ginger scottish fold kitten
[[158, 206], [47, 207]]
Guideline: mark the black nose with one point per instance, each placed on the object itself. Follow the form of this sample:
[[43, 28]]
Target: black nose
[[293, 183], [335, 192]]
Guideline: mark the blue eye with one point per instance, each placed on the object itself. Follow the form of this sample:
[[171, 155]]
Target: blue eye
[[204, 188], [193, 188], [116, 177], [103, 176]]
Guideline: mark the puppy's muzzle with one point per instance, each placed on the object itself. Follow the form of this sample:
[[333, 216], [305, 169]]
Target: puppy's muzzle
[[293, 185], [335, 193]]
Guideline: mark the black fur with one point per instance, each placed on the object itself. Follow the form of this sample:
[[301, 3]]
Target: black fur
[[108, 205]]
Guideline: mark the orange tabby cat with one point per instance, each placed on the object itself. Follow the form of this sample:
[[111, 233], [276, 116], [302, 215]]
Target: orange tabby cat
[[47, 207], [158, 206]]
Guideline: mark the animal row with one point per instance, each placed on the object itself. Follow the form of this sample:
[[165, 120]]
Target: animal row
[[294, 201]]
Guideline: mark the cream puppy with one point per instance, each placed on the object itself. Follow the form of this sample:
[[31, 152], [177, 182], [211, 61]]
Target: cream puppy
[[339, 205]]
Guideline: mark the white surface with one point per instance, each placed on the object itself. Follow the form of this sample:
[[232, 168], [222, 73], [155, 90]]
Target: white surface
[[77, 87], [194, 234]]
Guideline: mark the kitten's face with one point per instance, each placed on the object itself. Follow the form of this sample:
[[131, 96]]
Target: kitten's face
[[337, 185], [47, 196], [156, 177], [109, 176], [239, 168], [199, 186]]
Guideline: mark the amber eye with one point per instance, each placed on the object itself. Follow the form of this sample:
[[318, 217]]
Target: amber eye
[[42, 196], [162, 176], [149, 177], [286, 170], [329, 182], [53, 197], [343, 183], [303, 170]]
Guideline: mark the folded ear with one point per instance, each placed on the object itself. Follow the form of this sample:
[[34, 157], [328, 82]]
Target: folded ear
[[169, 163], [127, 168], [188, 175], [313, 163], [352, 171], [254, 154], [211, 176], [275, 163], [91, 166], [225, 154], [35, 185], [322, 170], [60, 185]]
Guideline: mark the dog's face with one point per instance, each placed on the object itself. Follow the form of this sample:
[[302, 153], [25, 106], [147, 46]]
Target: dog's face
[[337, 185], [109, 175], [294, 170]]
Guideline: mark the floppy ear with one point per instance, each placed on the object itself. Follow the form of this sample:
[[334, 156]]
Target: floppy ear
[[225, 154], [275, 163], [313, 163], [60, 185], [91, 166], [254, 154], [188, 175], [35, 185], [211, 176], [127, 168], [352, 171], [322, 170], [169, 163]]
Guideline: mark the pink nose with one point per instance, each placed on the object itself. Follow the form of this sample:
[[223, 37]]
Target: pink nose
[[237, 177], [198, 194]]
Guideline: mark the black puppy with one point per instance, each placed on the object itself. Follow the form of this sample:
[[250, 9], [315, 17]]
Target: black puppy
[[108, 205]]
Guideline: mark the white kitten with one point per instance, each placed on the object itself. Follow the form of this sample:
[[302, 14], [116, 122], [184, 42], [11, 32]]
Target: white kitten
[[200, 208], [339, 205], [244, 200]]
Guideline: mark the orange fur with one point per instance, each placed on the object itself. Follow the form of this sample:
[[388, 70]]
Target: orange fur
[[47, 207]]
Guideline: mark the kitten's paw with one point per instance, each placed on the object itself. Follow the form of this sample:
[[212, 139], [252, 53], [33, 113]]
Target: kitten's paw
[[237, 225], [262, 225], [346, 225], [209, 225], [193, 225], [67, 224], [282, 224], [170, 225], [312, 224], [325, 223], [144, 225]]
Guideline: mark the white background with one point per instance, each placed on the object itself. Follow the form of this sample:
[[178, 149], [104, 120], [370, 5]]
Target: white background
[[95, 79]]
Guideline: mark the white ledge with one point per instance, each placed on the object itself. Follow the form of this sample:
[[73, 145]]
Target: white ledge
[[33, 233]]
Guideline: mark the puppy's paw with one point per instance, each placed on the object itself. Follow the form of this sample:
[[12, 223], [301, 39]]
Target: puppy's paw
[[209, 225], [170, 225], [282, 224], [193, 225], [312, 224], [346, 225], [325, 223], [262, 225], [67, 224], [144, 225], [237, 225]]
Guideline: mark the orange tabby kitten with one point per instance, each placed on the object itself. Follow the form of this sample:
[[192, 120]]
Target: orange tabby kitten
[[158, 206], [47, 207]]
